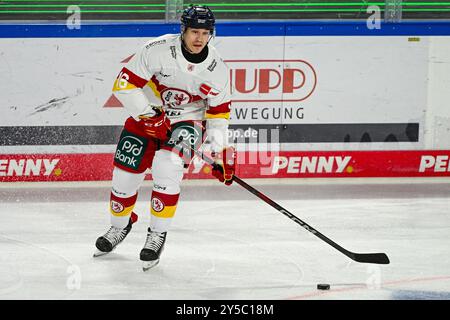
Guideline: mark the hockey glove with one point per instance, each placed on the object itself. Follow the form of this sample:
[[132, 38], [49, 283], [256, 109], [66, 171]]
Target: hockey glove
[[225, 165], [157, 125]]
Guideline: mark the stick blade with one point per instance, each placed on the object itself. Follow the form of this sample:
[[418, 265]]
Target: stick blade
[[378, 258]]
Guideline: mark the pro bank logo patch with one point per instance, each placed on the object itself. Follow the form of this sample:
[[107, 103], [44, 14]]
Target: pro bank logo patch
[[187, 133], [271, 80], [130, 150]]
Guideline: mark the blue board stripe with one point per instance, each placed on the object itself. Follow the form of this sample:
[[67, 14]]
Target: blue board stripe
[[240, 29]]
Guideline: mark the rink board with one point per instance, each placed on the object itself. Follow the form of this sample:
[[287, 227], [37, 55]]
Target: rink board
[[301, 164], [305, 87], [293, 84]]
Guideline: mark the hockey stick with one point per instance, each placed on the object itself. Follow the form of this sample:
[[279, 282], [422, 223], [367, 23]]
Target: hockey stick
[[379, 258], [174, 111]]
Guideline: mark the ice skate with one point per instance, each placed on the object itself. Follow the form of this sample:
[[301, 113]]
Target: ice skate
[[153, 247], [109, 241]]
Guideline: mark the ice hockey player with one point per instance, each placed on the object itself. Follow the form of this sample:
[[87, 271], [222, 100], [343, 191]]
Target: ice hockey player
[[176, 90]]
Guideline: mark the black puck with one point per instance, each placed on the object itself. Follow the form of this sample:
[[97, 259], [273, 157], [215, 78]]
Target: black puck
[[323, 286]]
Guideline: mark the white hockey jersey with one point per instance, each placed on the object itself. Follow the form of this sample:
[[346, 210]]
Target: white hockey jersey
[[159, 74]]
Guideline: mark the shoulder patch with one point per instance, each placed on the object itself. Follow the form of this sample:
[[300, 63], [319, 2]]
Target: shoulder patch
[[212, 66], [173, 52], [206, 90]]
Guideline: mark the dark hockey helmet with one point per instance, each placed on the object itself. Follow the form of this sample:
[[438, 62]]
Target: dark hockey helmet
[[198, 17]]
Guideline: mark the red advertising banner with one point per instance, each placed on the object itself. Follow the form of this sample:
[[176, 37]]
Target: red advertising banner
[[289, 164]]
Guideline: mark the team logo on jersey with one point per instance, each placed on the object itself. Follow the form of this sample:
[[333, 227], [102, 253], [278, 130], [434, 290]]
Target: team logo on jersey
[[157, 204], [176, 96], [116, 207]]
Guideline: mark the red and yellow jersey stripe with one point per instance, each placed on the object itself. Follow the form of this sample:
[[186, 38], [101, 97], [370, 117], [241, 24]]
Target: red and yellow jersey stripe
[[127, 80], [220, 111]]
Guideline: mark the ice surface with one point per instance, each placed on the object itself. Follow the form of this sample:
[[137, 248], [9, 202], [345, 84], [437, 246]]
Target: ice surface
[[227, 244]]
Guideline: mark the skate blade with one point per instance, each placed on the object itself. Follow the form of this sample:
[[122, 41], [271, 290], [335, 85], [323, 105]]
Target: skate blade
[[146, 265], [99, 253]]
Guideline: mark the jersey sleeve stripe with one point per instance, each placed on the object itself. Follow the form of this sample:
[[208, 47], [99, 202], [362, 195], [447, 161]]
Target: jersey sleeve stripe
[[219, 115], [157, 85], [119, 85], [221, 108], [131, 78], [154, 87]]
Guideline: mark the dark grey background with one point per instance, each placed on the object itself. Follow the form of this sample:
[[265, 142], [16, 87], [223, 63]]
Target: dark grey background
[[325, 11], [292, 133]]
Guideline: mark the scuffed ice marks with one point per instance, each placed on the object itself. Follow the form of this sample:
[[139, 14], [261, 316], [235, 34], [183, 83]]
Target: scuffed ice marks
[[52, 104], [88, 75]]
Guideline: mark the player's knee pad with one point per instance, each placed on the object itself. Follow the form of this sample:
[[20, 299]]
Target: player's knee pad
[[167, 172], [125, 184]]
